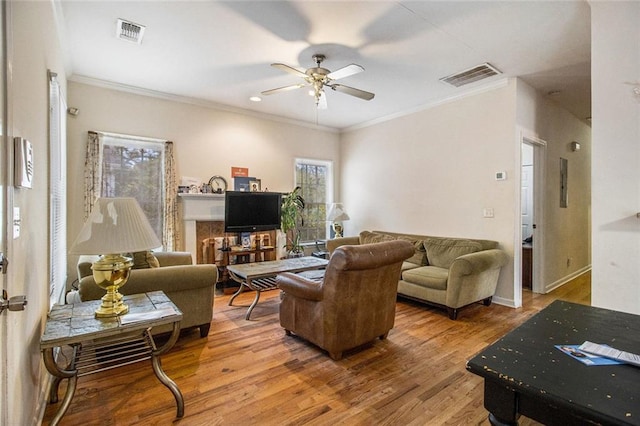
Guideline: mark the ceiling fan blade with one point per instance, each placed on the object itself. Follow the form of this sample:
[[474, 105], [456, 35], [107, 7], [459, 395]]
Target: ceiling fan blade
[[291, 70], [367, 96], [283, 89], [322, 100], [345, 71]]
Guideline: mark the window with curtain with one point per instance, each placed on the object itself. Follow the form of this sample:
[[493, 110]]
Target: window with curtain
[[135, 168], [57, 192], [315, 178], [132, 166]]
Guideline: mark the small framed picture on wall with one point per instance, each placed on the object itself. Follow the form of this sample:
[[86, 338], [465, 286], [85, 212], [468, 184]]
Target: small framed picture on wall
[[254, 185]]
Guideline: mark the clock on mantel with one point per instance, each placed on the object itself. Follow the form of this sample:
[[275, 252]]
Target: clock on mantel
[[218, 184]]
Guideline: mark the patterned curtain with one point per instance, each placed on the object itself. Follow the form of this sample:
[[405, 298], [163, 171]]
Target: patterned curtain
[[92, 173], [170, 234]]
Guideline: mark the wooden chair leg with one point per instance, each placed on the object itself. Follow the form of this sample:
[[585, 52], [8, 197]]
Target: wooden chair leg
[[204, 329], [336, 356], [453, 313]]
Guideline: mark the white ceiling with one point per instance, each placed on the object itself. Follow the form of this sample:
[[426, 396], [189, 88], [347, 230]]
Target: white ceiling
[[220, 52]]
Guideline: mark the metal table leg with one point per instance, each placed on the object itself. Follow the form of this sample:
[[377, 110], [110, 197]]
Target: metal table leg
[[160, 374], [253, 305], [70, 373]]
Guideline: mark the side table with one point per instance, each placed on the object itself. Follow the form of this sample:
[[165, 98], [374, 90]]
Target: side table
[[100, 344]]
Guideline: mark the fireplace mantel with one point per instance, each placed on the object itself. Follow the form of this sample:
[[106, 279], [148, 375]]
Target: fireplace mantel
[[199, 207]]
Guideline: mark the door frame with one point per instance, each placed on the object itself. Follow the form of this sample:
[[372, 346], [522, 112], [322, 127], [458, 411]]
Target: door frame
[[539, 181], [5, 170]]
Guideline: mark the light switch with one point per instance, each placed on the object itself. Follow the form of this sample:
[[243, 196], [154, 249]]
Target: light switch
[[16, 222], [487, 212]]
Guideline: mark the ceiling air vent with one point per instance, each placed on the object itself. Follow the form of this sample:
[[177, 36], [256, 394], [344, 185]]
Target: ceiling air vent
[[129, 31], [471, 75]]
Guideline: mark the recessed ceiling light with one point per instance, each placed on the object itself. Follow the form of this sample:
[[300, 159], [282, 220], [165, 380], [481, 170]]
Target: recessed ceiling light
[[255, 99]]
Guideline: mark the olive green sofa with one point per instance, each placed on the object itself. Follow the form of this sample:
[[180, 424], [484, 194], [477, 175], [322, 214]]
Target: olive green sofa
[[190, 287], [447, 272]]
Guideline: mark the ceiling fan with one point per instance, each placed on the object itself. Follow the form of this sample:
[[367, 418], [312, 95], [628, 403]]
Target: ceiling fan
[[318, 78]]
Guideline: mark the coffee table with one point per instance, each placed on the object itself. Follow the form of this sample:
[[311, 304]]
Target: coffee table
[[261, 276], [525, 374]]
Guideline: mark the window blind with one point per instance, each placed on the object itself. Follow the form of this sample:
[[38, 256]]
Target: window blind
[[57, 192]]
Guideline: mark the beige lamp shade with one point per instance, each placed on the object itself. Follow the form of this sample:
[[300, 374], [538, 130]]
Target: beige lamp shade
[[337, 213], [116, 225]]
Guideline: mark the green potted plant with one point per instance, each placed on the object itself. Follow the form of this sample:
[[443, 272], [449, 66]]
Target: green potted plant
[[291, 220]]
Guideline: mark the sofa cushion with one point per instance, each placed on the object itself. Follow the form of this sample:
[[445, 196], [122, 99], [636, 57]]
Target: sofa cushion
[[144, 260], [427, 276], [419, 257], [442, 252], [406, 265], [420, 254], [368, 237]]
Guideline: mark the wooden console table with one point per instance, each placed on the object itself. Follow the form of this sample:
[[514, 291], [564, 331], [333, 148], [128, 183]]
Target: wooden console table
[[525, 374], [100, 344]]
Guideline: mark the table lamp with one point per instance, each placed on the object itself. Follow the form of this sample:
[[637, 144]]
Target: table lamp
[[337, 215], [115, 226]]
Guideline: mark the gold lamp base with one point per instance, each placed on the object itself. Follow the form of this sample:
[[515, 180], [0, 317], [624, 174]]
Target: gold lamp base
[[111, 272]]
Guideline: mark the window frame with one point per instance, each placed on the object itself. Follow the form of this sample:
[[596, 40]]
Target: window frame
[[328, 188], [137, 142]]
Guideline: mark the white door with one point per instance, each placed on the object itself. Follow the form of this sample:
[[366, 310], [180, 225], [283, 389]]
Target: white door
[[532, 211], [527, 201]]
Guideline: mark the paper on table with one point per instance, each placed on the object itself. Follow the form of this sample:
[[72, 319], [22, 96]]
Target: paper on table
[[144, 316], [586, 358]]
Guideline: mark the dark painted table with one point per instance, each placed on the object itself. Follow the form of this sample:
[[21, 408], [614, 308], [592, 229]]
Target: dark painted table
[[526, 375]]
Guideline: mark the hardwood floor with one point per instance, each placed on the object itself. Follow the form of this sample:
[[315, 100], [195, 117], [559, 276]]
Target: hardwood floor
[[251, 373]]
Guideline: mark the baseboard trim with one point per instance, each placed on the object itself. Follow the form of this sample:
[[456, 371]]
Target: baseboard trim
[[562, 281], [43, 396], [548, 288], [504, 302]]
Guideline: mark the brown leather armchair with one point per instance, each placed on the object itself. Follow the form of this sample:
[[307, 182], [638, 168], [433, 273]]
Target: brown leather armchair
[[353, 304]]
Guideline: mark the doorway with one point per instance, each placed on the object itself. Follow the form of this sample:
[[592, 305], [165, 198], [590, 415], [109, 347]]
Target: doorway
[[4, 163], [530, 271]]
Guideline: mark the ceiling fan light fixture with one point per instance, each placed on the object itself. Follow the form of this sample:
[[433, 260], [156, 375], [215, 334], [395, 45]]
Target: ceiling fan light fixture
[[317, 78]]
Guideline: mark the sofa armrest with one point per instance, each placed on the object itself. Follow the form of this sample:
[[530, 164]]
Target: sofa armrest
[[342, 241], [169, 279], [299, 286], [475, 263]]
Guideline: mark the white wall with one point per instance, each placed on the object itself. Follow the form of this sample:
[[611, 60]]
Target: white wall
[[35, 47], [616, 155], [567, 230], [433, 173], [207, 141]]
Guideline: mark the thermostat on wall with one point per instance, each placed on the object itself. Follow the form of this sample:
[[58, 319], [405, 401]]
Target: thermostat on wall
[[501, 175]]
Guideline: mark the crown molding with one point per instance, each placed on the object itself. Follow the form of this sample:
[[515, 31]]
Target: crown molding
[[105, 84], [465, 94]]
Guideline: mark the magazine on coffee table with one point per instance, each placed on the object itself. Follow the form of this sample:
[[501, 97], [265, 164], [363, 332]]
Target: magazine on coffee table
[[586, 358]]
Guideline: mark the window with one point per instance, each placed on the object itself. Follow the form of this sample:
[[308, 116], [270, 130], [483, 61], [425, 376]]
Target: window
[[134, 167], [57, 192], [315, 177]]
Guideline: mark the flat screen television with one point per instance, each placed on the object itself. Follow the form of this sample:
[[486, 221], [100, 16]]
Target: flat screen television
[[251, 211]]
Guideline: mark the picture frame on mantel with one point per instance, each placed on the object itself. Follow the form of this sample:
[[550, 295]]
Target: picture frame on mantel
[[255, 185]]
